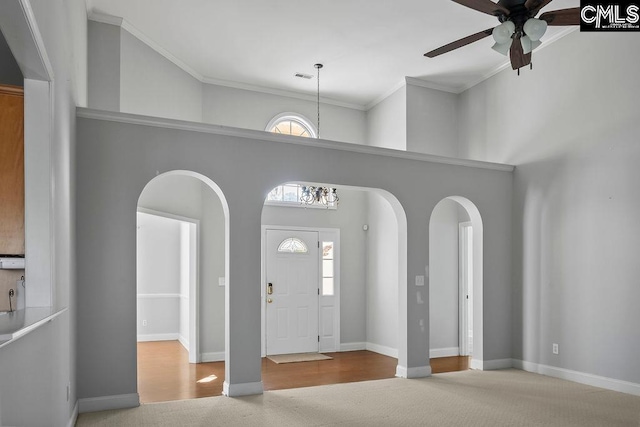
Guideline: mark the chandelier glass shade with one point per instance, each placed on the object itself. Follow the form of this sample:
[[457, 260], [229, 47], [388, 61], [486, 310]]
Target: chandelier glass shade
[[319, 196]]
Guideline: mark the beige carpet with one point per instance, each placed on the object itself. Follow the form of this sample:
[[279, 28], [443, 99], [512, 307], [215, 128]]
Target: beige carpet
[[470, 398], [298, 357]]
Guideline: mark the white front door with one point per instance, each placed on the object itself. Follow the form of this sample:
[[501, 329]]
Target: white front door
[[292, 291]]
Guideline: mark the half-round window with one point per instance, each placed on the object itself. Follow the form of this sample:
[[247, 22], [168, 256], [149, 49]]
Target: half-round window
[[293, 246], [292, 124]]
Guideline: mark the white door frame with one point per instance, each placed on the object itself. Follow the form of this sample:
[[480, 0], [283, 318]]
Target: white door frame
[[463, 289], [324, 234], [194, 280]]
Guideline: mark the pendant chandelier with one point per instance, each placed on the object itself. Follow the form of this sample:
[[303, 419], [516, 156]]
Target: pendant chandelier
[[324, 196]]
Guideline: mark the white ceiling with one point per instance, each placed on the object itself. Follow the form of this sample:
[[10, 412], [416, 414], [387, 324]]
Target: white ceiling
[[367, 46]]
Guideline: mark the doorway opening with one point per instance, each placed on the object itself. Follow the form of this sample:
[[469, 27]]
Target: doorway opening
[[182, 220], [455, 280], [301, 299]]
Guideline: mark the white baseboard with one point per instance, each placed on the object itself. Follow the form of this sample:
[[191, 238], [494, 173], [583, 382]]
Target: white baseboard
[[158, 337], [490, 365], [417, 372], [578, 377], [74, 416], [244, 389], [353, 346], [105, 403], [183, 341], [377, 348], [444, 352], [212, 357]]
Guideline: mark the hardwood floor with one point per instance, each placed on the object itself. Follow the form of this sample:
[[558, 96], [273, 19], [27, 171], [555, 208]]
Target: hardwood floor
[[164, 371]]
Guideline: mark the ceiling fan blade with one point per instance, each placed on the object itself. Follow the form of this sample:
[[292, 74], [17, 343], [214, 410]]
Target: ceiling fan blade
[[569, 16], [485, 6], [534, 6], [459, 43], [518, 58]]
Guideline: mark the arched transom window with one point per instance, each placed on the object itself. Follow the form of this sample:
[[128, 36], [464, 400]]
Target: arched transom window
[[291, 124], [293, 245]]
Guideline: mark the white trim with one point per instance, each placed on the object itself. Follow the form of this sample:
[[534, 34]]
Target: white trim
[[444, 352], [158, 122], [386, 94], [74, 416], [324, 234], [244, 389], [495, 364], [417, 372], [184, 341], [282, 92], [157, 296], [126, 25], [353, 346], [382, 349], [476, 364], [212, 357], [38, 42], [106, 403], [507, 64], [38, 317], [579, 377], [168, 215], [159, 337], [464, 322], [431, 85]]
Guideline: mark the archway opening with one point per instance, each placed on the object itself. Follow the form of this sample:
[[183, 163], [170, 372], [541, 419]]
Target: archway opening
[[360, 274], [455, 282], [182, 265]]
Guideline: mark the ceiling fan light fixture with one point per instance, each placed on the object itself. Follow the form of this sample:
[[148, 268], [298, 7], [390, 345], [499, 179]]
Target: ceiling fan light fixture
[[526, 44], [502, 48], [535, 44], [503, 32], [535, 28]]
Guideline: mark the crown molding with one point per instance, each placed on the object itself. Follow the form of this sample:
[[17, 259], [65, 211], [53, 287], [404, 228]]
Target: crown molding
[[413, 81], [281, 92], [124, 24], [507, 64], [386, 94]]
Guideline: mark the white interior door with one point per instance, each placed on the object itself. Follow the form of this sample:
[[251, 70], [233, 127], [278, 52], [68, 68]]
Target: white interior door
[[466, 288], [292, 291]]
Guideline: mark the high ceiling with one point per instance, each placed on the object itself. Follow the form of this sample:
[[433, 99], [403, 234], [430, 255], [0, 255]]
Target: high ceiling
[[367, 46]]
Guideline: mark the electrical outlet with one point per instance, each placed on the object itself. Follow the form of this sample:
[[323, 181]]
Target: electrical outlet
[[144, 322], [555, 348]]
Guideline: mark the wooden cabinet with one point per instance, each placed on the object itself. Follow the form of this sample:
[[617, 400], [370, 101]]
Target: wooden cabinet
[[11, 170]]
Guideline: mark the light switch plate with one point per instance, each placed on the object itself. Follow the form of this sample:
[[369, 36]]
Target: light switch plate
[[419, 280], [221, 281]]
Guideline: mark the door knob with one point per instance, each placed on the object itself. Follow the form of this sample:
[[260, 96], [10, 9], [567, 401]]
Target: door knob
[[269, 300]]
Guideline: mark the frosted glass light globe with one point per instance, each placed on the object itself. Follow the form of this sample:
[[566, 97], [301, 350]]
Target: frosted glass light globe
[[535, 28], [503, 32]]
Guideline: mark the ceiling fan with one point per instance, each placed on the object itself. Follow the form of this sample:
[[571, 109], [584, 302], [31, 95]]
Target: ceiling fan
[[519, 31]]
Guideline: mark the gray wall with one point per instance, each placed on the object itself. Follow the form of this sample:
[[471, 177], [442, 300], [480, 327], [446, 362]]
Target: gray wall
[[152, 85], [432, 121], [158, 265], [574, 140], [253, 110], [37, 368], [115, 162], [387, 121], [10, 73], [350, 216], [103, 62], [382, 276], [188, 197], [443, 274]]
